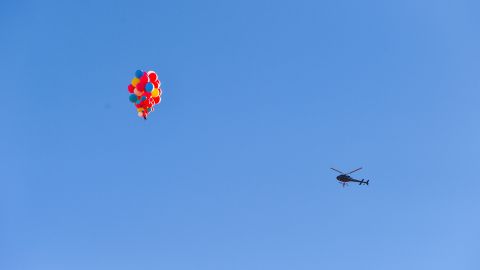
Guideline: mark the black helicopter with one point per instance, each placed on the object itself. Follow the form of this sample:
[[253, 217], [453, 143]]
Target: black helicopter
[[344, 178]]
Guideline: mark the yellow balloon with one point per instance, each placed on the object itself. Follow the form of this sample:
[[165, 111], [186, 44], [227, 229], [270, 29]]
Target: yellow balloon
[[155, 92], [140, 109], [135, 81]]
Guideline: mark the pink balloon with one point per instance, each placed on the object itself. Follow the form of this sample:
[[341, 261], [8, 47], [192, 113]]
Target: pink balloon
[[137, 92]]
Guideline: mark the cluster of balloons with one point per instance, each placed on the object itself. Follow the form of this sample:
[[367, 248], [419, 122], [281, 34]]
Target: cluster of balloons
[[145, 92]]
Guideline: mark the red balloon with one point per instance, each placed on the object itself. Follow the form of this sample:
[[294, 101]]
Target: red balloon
[[144, 103], [141, 86], [144, 78], [130, 88], [152, 76], [155, 83], [157, 99]]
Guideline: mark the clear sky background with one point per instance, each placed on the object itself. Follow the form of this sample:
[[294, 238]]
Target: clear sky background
[[231, 171]]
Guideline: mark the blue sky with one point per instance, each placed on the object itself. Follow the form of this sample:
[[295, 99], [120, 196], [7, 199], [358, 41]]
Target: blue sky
[[231, 171]]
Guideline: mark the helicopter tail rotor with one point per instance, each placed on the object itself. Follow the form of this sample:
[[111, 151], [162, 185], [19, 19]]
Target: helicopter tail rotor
[[363, 182]]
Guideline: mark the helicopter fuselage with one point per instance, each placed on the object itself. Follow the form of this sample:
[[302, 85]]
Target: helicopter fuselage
[[346, 178]]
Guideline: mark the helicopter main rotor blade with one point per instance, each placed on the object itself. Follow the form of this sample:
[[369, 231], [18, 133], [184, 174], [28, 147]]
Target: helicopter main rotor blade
[[337, 170], [354, 171]]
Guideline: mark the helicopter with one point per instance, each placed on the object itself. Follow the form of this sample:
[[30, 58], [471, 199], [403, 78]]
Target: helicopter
[[344, 178]]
